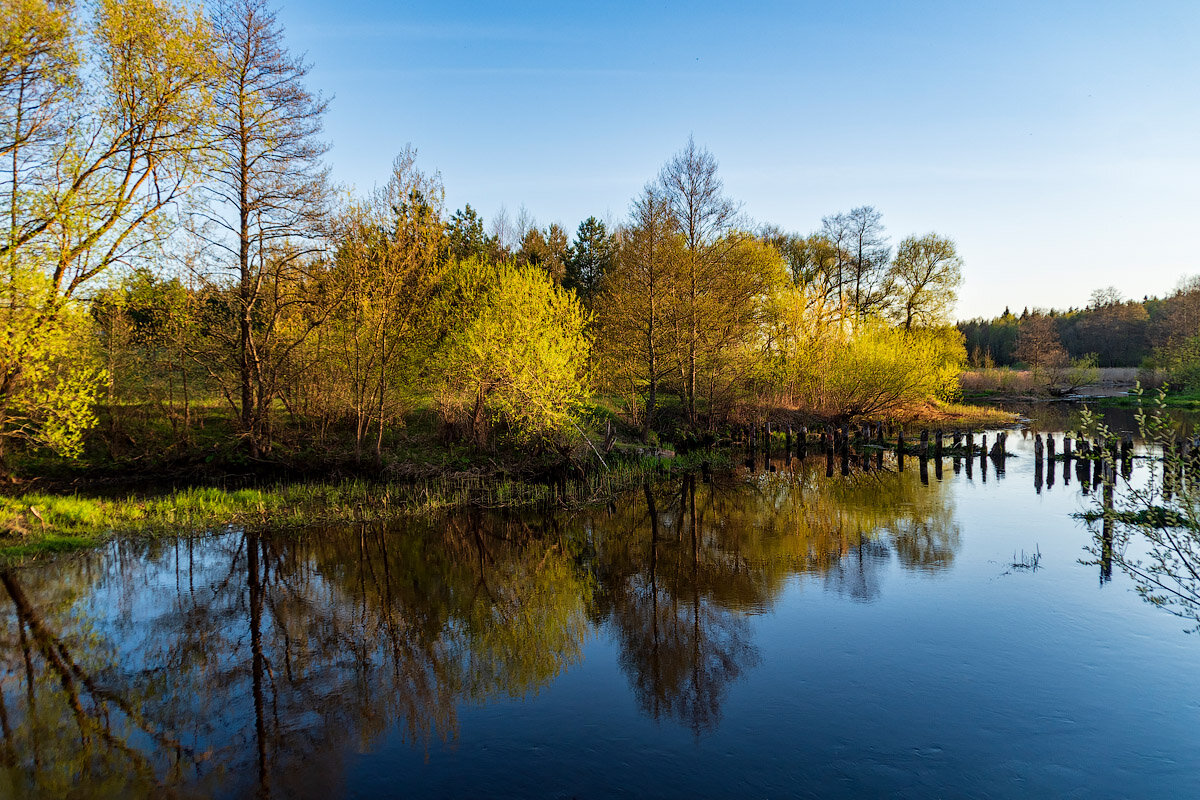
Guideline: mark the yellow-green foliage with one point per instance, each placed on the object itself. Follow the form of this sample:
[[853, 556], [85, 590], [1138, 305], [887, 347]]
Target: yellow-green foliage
[[520, 357], [878, 368], [53, 378], [104, 120]]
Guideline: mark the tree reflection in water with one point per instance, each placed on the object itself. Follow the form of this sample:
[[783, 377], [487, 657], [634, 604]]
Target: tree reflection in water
[[256, 664], [678, 573]]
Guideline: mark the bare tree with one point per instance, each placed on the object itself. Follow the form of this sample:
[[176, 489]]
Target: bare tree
[[707, 220], [269, 195]]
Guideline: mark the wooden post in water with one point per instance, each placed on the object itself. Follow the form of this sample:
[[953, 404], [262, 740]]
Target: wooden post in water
[[1050, 448], [924, 444], [937, 447], [970, 444], [1106, 537], [900, 449], [802, 442], [1067, 447], [787, 440]]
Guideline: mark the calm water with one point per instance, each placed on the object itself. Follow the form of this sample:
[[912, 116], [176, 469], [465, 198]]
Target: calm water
[[772, 635]]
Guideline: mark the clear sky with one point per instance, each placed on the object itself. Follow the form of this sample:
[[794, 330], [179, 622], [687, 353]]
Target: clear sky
[[1057, 142]]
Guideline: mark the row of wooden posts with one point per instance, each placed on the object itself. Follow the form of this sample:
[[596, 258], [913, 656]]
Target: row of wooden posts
[[878, 436], [1095, 462]]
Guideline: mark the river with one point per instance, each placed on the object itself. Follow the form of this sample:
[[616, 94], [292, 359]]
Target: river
[[927, 632]]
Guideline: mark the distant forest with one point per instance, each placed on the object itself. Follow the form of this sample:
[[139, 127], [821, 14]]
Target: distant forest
[[1117, 332]]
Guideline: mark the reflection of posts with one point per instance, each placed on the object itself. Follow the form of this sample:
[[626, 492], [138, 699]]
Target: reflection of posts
[[1106, 540]]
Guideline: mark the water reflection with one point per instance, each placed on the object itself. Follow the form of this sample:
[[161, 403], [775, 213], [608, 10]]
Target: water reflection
[[255, 664]]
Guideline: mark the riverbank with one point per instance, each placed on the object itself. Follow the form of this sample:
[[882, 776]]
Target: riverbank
[[53, 506], [36, 524], [1114, 387]]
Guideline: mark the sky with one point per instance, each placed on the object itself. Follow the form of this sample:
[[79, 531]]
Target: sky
[[1058, 143]]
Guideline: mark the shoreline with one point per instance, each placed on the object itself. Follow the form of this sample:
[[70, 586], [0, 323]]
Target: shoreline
[[47, 515]]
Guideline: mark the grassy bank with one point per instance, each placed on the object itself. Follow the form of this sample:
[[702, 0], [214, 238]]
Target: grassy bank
[[35, 524], [1010, 383], [58, 505], [1187, 401], [950, 416]]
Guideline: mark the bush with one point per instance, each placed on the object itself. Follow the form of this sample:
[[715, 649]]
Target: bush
[[881, 369], [518, 358]]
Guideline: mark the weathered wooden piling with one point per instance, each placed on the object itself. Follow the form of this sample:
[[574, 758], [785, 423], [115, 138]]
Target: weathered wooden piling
[[924, 444], [970, 444], [937, 447], [1050, 447], [1038, 453], [802, 442]]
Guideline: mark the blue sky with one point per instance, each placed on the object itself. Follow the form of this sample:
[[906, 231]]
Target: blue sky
[[1058, 143]]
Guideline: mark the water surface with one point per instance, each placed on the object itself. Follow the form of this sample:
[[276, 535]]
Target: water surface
[[931, 632]]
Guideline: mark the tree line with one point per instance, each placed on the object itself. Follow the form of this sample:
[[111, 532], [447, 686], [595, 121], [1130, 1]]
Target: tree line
[[1112, 331], [173, 247]]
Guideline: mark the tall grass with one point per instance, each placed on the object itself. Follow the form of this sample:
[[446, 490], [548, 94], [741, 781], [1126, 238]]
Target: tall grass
[[37, 522]]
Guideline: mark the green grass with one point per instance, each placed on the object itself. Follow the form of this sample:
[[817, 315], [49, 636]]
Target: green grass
[[1188, 401], [37, 524]]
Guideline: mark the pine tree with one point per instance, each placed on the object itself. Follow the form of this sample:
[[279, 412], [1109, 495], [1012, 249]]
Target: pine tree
[[589, 258]]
